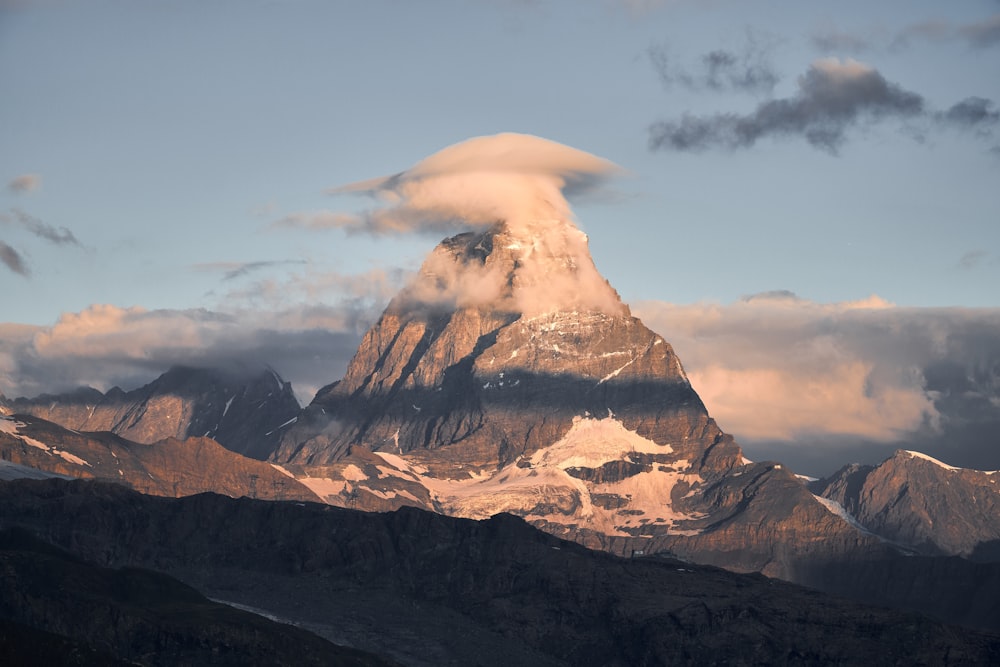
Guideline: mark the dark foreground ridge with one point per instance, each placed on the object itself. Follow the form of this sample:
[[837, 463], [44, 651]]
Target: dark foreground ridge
[[428, 589], [58, 609]]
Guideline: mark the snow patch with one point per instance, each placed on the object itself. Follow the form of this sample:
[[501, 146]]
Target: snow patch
[[72, 458], [918, 455], [590, 443], [323, 486], [836, 508], [353, 473]]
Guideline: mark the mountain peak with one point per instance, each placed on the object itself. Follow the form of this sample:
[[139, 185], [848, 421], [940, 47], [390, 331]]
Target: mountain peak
[[524, 267]]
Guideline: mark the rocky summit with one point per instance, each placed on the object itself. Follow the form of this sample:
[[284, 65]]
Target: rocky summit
[[509, 377]]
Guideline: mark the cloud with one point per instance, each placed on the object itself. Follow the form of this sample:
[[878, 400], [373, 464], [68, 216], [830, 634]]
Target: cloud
[[832, 97], [511, 182], [476, 183], [748, 70], [106, 345], [25, 183], [233, 270], [978, 34], [775, 367], [58, 236], [13, 260], [972, 259], [833, 40], [976, 113]]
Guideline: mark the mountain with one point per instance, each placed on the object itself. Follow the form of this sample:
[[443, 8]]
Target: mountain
[[509, 377], [917, 501], [241, 410], [87, 614], [32, 447], [427, 589]]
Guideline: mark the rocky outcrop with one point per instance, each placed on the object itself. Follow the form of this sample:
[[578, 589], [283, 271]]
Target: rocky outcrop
[[429, 589], [922, 503], [243, 411], [170, 467]]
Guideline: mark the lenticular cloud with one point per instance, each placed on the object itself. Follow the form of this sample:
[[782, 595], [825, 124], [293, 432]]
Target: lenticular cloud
[[516, 178]]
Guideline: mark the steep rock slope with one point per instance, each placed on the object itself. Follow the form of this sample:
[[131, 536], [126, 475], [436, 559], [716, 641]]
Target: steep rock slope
[[467, 592], [918, 501], [242, 411]]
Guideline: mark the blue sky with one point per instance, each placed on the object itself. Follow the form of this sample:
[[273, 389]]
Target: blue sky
[[148, 147]]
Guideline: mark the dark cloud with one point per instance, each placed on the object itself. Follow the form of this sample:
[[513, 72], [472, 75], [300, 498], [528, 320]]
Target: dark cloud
[[58, 236], [748, 70], [25, 183], [972, 259], [976, 113], [233, 270], [13, 260], [833, 96]]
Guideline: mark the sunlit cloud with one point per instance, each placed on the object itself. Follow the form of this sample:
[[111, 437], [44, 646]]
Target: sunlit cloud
[[778, 367]]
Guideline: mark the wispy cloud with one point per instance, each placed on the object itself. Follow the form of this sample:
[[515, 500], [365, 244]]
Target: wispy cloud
[[13, 260], [978, 34], [833, 97], [25, 183], [35, 226], [972, 259], [747, 70], [234, 270]]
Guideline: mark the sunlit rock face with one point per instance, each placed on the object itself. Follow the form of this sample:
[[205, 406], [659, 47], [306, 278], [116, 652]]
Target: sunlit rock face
[[918, 501]]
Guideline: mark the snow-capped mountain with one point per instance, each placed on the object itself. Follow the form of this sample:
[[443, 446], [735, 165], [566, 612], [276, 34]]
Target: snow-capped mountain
[[510, 377], [242, 411]]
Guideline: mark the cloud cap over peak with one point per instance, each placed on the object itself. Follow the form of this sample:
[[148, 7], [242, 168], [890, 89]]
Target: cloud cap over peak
[[474, 183]]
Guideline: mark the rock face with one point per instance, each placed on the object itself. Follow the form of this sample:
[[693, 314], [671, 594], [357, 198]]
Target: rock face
[[917, 501], [510, 377], [432, 590], [170, 467], [243, 412]]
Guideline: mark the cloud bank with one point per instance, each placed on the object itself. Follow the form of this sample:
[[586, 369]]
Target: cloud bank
[[106, 345], [774, 367]]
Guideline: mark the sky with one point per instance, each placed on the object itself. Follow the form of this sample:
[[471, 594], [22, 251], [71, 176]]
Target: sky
[[805, 194]]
